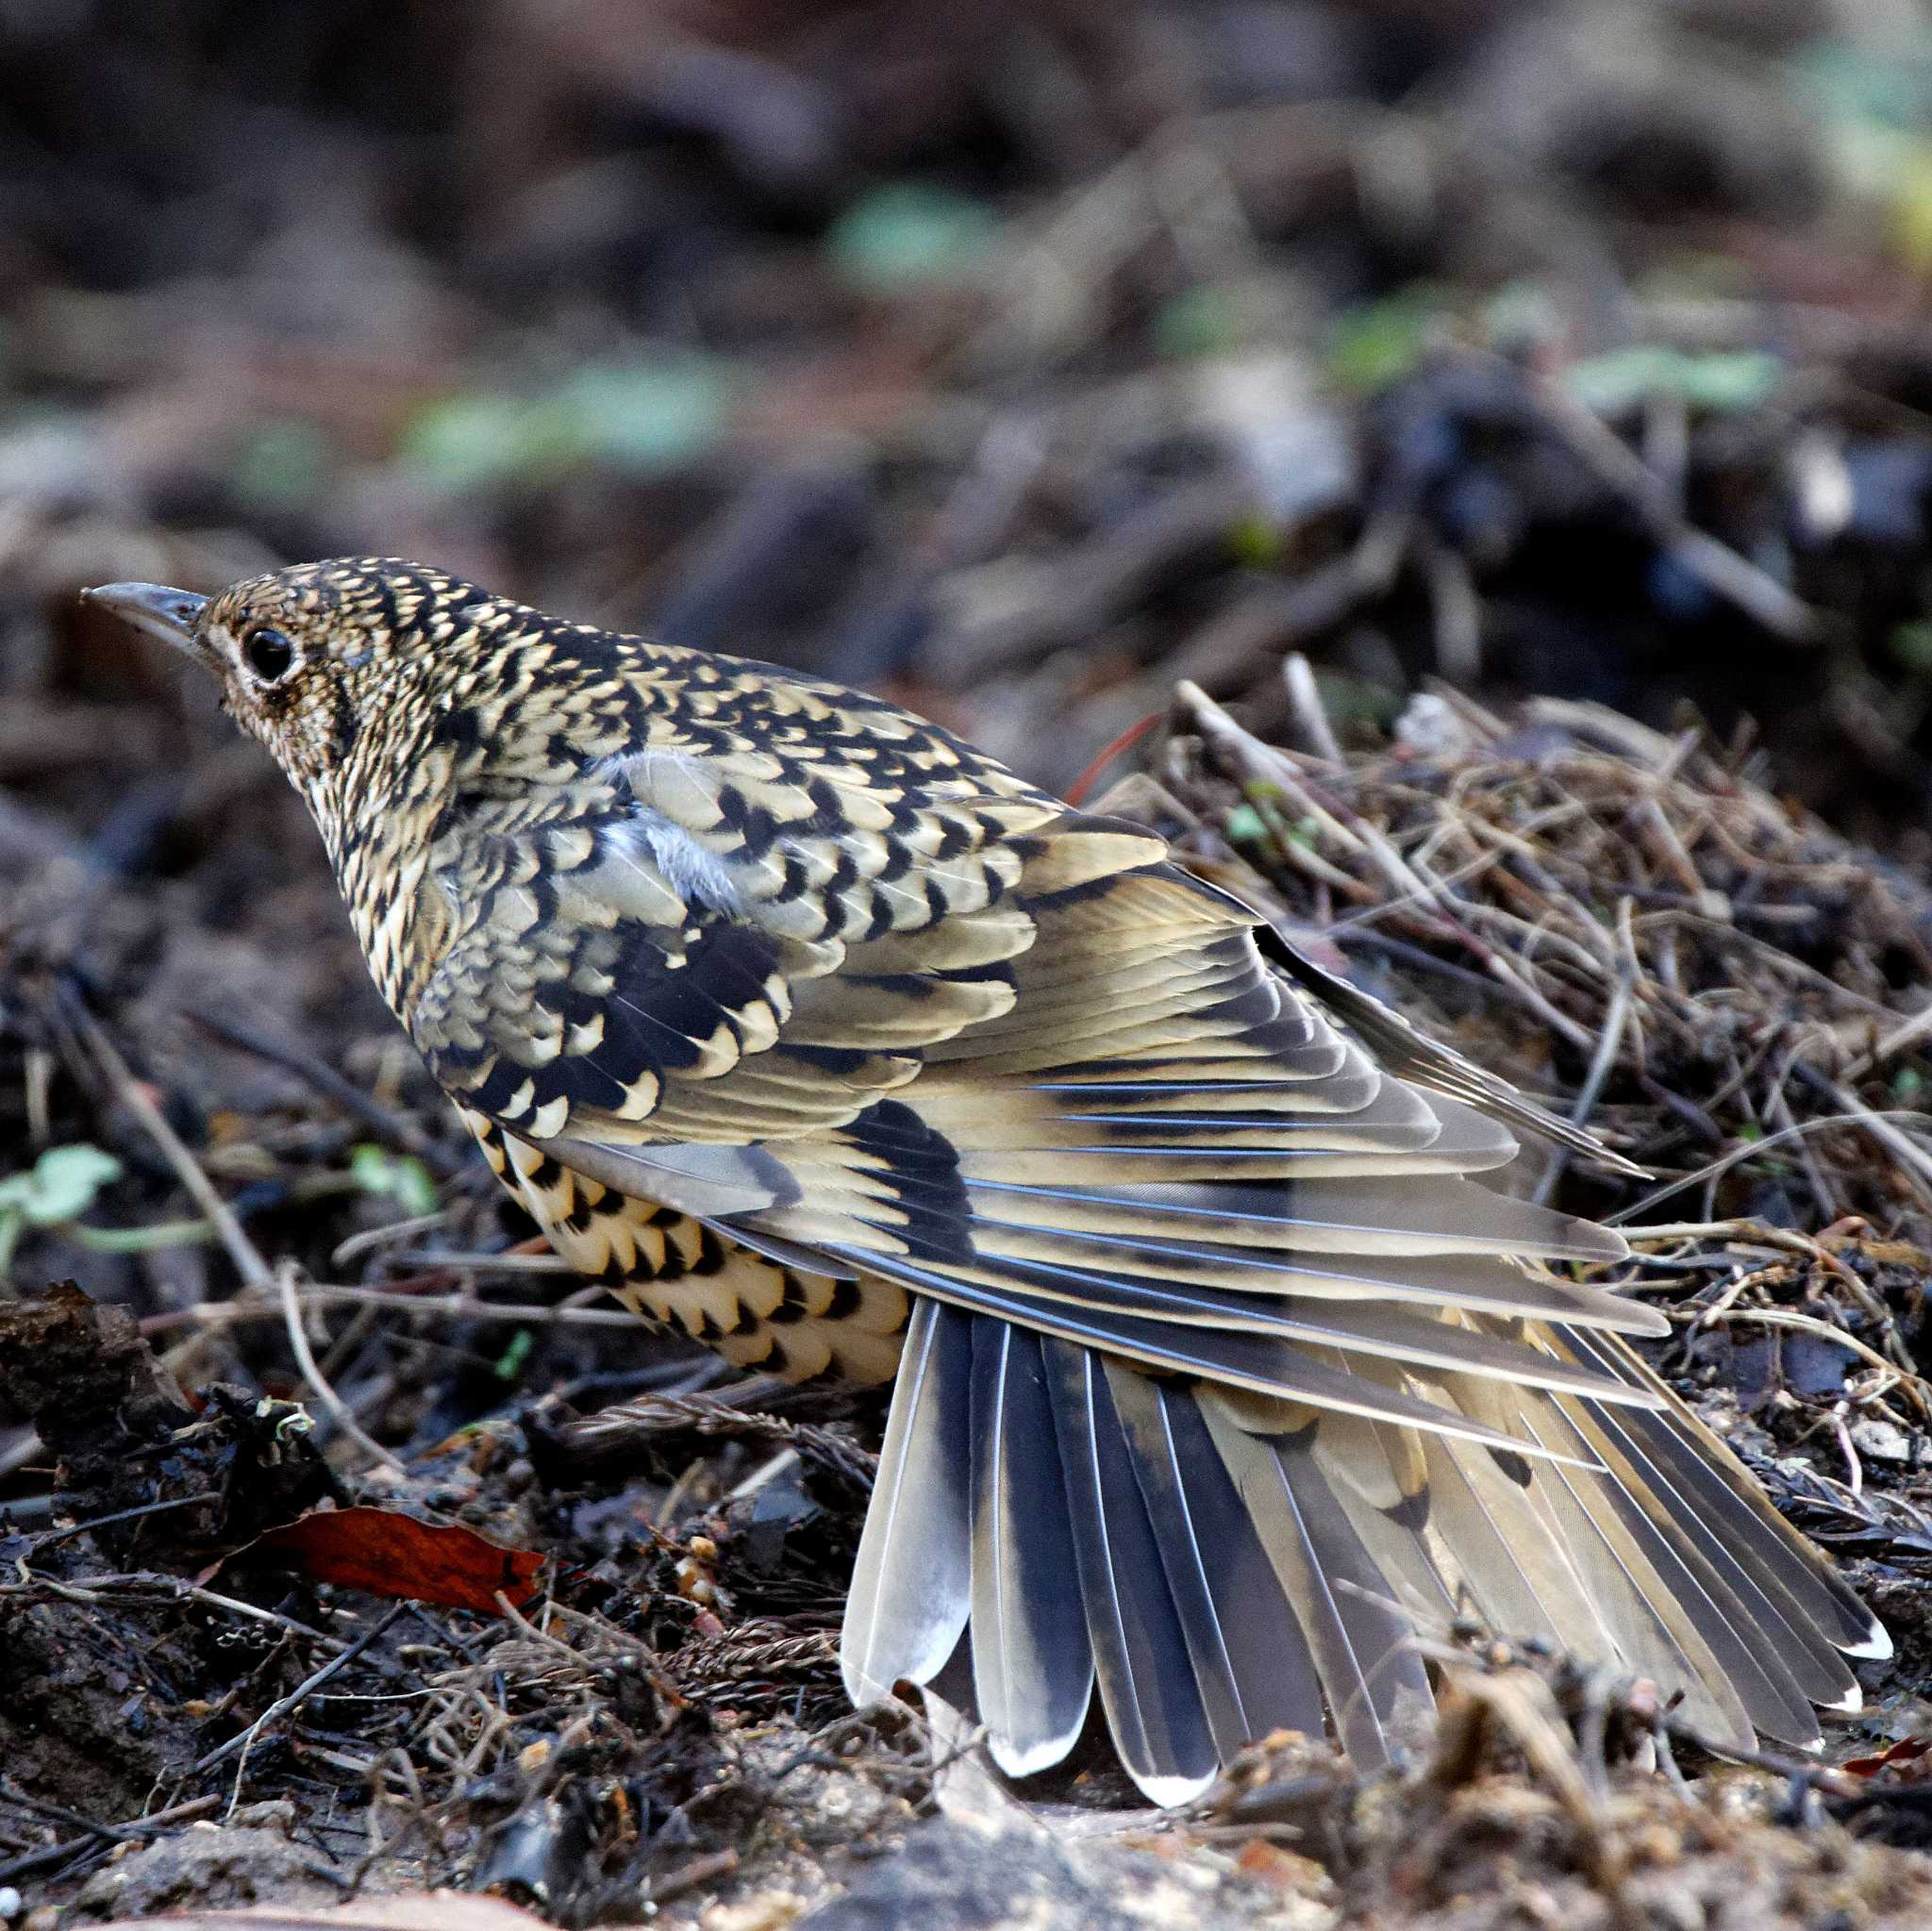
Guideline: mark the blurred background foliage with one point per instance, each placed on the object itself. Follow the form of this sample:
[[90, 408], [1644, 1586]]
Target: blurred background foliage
[[1018, 356]]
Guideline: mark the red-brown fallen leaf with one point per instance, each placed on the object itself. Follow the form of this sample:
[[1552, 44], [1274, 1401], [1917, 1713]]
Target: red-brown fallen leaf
[[390, 1554], [1905, 1754], [418, 1910]]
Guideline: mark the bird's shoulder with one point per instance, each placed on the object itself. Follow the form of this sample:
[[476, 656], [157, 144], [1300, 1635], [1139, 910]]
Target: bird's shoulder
[[633, 769], [635, 913], [535, 685]]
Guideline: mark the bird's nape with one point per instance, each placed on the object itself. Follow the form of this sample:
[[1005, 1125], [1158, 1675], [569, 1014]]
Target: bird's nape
[[814, 1033]]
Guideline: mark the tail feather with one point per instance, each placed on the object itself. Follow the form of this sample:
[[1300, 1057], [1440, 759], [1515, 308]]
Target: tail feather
[[1508, 1571], [1154, 1706], [1375, 1685], [1381, 1486], [911, 1585], [1032, 1658], [1252, 1663], [1223, 1565]]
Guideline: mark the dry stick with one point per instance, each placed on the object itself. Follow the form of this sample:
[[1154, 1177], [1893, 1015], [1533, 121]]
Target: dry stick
[[1540, 933], [1274, 767], [252, 1269], [1892, 1044], [1111, 572], [971, 525], [1362, 836], [1609, 1043], [1761, 1235], [1776, 960], [284, 1705], [1788, 1241], [1458, 612], [45, 1538], [36, 1068], [1598, 724], [1715, 564], [1305, 700], [1877, 1126], [1266, 618], [440, 1259], [401, 1133], [129, 1832], [1746, 1231], [707, 1869], [1777, 1110], [1431, 891], [1914, 1385], [1049, 280], [766, 1472], [339, 1411], [1750, 1150], [1263, 618], [225, 1314], [394, 1231], [146, 1585]]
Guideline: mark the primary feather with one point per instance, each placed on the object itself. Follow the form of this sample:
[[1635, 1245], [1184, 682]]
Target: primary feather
[[817, 1036]]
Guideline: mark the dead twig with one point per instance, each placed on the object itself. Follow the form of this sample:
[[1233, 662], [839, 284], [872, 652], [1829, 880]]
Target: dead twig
[[337, 1409], [254, 1271]]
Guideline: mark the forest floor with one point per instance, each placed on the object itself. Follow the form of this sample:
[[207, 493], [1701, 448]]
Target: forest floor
[[1472, 482]]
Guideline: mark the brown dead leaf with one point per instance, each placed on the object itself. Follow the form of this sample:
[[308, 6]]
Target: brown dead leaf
[[390, 1554], [1906, 1757]]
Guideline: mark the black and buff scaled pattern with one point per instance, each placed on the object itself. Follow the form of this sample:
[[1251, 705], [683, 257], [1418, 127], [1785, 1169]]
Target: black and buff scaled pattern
[[817, 1035]]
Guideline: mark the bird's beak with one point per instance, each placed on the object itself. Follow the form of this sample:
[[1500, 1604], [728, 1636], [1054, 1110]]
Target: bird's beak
[[154, 610]]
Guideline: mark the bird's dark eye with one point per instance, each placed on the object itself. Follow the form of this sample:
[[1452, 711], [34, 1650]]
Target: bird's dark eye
[[269, 654]]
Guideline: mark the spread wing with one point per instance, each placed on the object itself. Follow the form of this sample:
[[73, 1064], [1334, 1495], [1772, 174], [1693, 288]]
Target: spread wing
[[706, 942], [1214, 1320], [1209, 1311], [846, 988]]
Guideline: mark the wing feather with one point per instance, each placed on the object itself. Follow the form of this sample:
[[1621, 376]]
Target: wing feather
[[1223, 1372]]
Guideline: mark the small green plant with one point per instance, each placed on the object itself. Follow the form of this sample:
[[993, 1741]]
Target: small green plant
[[60, 1187], [510, 1363], [1718, 379], [909, 234], [400, 1178], [1380, 341]]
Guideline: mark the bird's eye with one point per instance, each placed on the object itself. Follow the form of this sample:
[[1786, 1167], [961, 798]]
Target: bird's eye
[[269, 654]]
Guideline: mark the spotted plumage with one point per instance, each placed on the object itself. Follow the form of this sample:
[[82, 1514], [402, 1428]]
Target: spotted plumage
[[816, 1035], [686, 1275]]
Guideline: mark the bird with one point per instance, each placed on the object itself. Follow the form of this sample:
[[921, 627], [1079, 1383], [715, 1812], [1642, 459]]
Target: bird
[[1221, 1373]]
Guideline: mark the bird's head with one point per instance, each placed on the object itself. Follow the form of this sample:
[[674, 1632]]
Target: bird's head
[[312, 660], [387, 691]]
